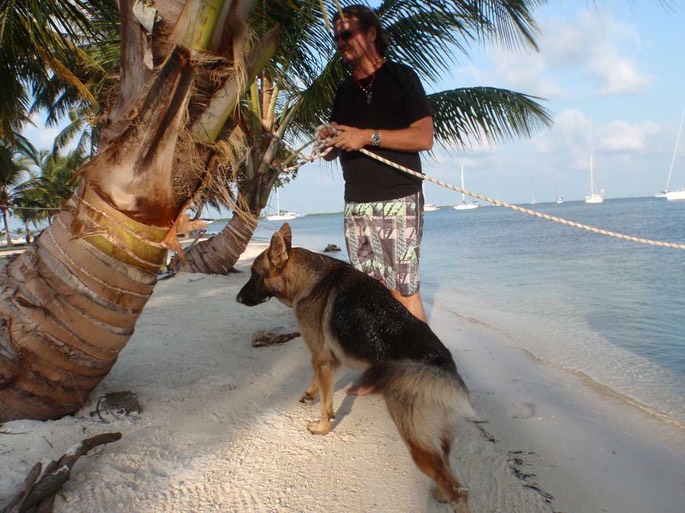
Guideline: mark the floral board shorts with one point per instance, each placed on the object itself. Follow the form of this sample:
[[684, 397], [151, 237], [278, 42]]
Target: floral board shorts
[[383, 240]]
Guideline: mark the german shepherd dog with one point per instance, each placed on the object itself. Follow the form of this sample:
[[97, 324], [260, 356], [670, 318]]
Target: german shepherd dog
[[348, 318]]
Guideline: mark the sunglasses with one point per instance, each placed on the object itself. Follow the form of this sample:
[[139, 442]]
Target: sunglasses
[[345, 35]]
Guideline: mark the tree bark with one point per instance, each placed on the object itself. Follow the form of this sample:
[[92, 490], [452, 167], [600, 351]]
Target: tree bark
[[219, 254]]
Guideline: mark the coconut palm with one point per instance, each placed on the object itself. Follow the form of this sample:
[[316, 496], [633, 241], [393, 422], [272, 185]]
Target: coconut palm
[[52, 182], [70, 302], [42, 41], [15, 169], [289, 100]]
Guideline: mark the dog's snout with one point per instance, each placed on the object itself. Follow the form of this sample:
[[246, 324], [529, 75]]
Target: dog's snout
[[249, 296]]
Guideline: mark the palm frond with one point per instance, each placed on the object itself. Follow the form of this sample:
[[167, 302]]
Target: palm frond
[[486, 114], [67, 134], [41, 39], [506, 22]]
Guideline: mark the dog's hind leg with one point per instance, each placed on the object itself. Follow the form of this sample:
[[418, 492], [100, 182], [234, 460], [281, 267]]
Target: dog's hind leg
[[312, 390], [437, 467], [324, 373]]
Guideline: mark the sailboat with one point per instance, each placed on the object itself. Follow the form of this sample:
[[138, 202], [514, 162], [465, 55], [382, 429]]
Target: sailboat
[[560, 198], [281, 215], [464, 205], [593, 197], [667, 193], [429, 207]]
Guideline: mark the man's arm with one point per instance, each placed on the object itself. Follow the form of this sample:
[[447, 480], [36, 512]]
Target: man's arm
[[416, 137]]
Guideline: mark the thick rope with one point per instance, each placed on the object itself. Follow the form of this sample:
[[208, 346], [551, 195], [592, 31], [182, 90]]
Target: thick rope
[[319, 150]]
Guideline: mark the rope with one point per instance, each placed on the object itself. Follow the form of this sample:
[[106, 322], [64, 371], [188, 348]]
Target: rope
[[535, 213], [316, 153], [320, 143]]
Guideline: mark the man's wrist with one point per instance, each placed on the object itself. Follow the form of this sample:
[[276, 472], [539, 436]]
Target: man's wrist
[[375, 138]]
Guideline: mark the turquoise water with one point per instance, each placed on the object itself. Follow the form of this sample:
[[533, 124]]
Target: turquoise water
[[609, 309]]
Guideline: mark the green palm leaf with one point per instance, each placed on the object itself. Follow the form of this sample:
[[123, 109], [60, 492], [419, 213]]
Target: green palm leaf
[[478, 114]]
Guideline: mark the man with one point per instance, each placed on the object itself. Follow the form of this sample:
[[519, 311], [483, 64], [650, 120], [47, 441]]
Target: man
[[383, 106]]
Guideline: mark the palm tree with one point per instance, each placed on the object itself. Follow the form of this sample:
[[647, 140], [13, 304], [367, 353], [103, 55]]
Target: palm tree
[[42, 44], [52, 183], [288, 101], [71, 301], [14, 171]]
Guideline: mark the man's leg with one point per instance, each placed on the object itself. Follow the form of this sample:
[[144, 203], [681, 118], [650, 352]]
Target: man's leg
[[412, 303], [385, 236]]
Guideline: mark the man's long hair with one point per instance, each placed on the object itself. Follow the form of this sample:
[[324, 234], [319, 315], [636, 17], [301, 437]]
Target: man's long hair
[[367, 18]]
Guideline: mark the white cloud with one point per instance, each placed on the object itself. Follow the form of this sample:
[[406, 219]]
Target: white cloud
[[572, 130], [624, 136], [590, 51], [602, 49]]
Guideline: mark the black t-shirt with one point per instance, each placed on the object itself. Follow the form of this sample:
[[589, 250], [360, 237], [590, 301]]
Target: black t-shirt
[[398, 101]]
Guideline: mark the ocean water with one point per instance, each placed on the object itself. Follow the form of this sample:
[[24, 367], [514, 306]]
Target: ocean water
[[610, 310]]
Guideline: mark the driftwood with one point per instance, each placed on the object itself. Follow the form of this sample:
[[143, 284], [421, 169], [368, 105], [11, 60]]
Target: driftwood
[[16, 504], [268, 338], [38, 495]]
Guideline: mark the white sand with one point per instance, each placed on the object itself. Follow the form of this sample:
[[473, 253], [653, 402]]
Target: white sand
[[221, 429]]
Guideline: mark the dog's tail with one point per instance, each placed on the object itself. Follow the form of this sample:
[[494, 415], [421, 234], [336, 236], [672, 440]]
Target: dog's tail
[[426, 403]]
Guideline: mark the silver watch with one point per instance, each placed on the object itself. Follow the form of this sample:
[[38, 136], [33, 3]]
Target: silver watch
[[375, 138]]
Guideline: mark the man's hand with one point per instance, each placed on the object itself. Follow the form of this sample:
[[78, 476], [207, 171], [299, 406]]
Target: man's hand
[[327, 132], [351, 138]]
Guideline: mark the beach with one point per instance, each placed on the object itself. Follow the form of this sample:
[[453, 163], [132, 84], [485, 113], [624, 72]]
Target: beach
[[220, 428]]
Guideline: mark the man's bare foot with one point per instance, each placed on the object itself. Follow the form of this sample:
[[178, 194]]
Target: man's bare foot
[[360, 390]]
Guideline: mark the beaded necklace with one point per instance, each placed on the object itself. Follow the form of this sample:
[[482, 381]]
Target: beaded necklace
[[368, 90]]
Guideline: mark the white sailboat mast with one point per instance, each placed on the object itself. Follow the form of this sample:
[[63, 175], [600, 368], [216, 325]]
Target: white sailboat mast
[[675, 151]]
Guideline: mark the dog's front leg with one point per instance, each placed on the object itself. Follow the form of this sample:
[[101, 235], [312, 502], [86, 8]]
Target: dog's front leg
[[324, 374]]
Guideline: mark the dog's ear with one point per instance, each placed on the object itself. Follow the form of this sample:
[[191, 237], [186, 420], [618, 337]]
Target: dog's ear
[[287, 235], [278, 251]]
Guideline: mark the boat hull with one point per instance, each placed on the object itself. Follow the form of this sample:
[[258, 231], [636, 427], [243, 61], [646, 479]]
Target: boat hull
[[466, 206], [675, 195], [289, 216]]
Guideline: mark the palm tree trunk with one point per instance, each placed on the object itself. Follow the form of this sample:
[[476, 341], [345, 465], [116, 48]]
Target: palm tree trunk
[[219, 254], [69, 304], [7, 227]]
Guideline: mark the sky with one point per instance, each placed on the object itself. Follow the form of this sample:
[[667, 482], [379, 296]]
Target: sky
[[612, 74]]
